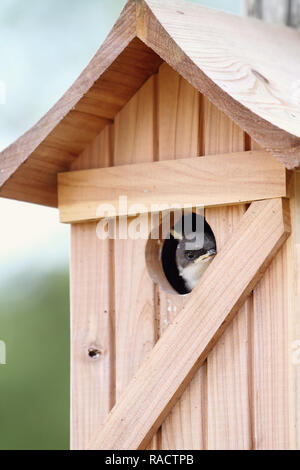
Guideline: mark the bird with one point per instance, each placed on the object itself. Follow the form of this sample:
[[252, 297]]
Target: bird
[[192, 258]]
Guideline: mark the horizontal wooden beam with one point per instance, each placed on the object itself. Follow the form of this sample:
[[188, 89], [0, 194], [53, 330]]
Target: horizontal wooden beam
[[219, 180], [184, 346]]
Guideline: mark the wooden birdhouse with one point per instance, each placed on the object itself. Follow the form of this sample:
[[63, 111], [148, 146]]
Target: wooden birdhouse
[[189, 107]]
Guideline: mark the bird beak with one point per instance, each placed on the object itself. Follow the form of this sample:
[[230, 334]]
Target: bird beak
[[209, 254]]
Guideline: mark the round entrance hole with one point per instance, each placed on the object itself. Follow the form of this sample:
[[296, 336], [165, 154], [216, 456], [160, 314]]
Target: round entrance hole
[[177, 261]]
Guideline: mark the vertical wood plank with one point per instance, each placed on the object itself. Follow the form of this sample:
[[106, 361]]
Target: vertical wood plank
[[270, 358], [228, 367], [135, 310], [92, 314], [274, 326], [295, 330], [178, 127]]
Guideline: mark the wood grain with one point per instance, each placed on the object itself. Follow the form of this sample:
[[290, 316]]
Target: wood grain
[[184, 346], [203, 46], [270, 358], [92, 314], [178, 127], [135, 311], [274, 329], [220, 180], [294, 314], [228, 366]]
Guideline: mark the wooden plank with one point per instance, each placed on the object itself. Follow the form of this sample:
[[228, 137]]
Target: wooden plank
[[270, 358], [295, 313], [178, 127], [274, 332], [178, 116], [184, 346], [219, 180], [135, 312], [92, 314], [274, 328], [229, 420], [99, 154]]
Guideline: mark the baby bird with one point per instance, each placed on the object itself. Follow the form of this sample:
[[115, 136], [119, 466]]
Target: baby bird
[[192, 263]]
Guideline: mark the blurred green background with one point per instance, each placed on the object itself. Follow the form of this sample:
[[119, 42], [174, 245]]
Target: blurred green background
[[44, 46]]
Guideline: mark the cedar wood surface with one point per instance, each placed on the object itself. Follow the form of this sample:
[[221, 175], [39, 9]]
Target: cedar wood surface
[[224, 180], [228, 421], [146, 311], [260, 94], [178, 136], [92, 313], [186, 343]]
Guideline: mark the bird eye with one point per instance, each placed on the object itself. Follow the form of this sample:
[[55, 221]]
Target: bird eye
[[190, 255]]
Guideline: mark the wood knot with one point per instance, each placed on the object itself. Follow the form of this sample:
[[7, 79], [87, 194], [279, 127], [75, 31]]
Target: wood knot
[[260, 76], [95, 353]]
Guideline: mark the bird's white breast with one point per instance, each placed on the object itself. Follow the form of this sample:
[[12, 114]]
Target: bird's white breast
[[193, 272]]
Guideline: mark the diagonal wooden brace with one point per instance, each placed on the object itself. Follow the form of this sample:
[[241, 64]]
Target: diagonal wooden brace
[[180, 352]]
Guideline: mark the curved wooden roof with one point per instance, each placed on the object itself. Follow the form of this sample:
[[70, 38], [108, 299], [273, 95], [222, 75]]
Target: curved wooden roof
[[249, 69]]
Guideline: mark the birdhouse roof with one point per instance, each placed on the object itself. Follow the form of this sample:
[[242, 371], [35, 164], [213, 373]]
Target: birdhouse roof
[[248, 69]]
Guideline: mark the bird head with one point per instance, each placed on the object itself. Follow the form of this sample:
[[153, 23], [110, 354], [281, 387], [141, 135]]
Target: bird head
[[186, 255], [193, 256]]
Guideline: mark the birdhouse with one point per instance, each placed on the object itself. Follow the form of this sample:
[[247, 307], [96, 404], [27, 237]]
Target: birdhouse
[[182, 108]]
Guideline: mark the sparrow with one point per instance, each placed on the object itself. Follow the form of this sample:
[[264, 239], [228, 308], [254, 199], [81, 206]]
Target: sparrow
[[192, 259]]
